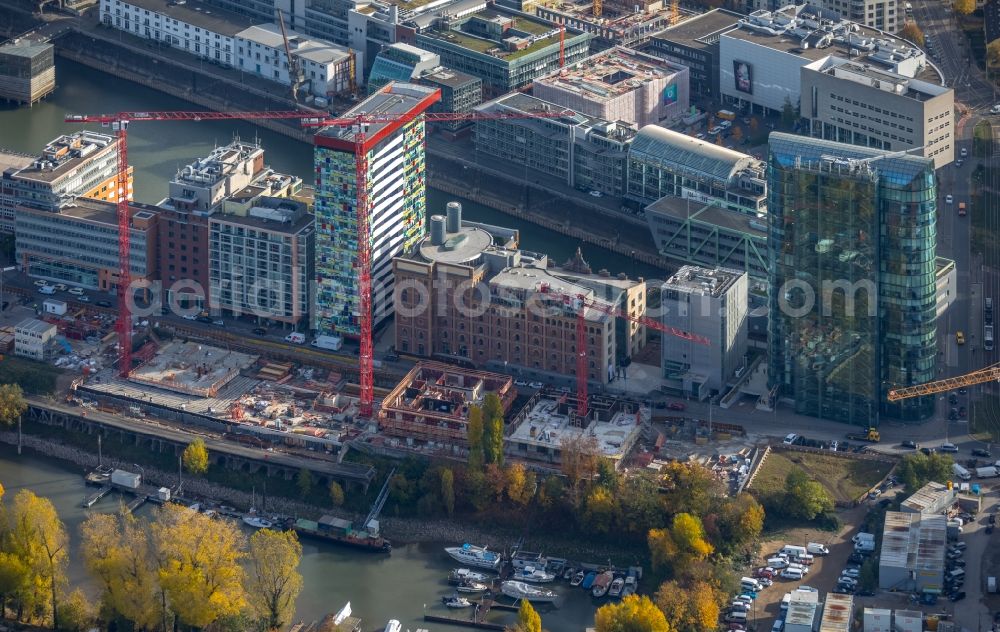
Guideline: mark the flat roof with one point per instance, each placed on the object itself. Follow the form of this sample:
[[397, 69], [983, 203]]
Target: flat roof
[[461, 247], [692, 31], [393, 99], [34, 326], [546, 426], [444, 76], [24, 48], [713, 281], [684, 209], [802, 608], [300, 222], [863, 73], [317, 50], [532, 278], [191, 368], [65, 153], [538, 32], [102, 212], [609, 74], [200, 14]]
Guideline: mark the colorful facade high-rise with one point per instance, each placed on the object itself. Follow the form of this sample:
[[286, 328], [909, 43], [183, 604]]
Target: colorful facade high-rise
[[391, 157]]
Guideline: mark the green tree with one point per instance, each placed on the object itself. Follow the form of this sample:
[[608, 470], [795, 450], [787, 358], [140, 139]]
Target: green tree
[[740, 522], [631, 614], [916, 470], [336, 494], [304, 480], [913, 33], [448, 490], [273, 580], [578, 465], [662, 549], [804, 497], [195, 457], [964, 7], [474, 435], [607, 475], [12, 404], [689, 488], [868, 579], [528, 620]]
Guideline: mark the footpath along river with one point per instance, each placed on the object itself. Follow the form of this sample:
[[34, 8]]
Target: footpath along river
[[379, 587]]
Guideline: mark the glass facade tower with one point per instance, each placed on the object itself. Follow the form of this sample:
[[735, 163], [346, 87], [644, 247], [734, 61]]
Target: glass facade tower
[[852, 245]]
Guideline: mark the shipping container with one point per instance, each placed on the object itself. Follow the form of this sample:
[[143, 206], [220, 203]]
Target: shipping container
[[878, 620], [125, 479], [53, 306]]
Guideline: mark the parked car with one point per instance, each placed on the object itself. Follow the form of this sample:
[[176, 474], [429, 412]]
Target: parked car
[[40, 283], [520, 382], [260, 331], [853, 573], [83, 299], [76, 291], [948, 447], [790, 438], [910, 445], [676, 406], [535, 385], [103, 303], [959, 546], [927, 451], [60, 287], [957, 596]]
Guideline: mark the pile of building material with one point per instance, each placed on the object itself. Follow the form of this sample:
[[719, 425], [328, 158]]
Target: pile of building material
[[279, 372]]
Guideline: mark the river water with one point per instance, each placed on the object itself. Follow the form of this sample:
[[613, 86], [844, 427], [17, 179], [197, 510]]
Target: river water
[[399, 586]]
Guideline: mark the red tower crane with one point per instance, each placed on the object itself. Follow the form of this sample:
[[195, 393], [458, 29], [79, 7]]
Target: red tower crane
[[366, 380], [580, 303], [119, 123]]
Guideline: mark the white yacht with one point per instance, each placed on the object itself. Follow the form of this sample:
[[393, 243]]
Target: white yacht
[[477, 556], [533, 575], [393, 626]]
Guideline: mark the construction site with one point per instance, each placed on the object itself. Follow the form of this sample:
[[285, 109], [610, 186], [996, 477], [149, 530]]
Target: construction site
[[549, 423], [613, 23], [431, 404]]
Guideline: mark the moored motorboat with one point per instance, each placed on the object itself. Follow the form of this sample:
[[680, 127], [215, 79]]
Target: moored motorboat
[[568, 573], [456, 602], [476, 556], [601, 584], [588, 580], [256, 521], [577, 579], [472, 587], [462, 575], [533, 575], [616, 587], [630, 586], [393, 626], [521, 590]]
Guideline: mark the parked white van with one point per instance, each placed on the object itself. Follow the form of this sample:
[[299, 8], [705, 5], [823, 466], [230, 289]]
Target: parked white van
[[792, 573], [793, 551], [749, 583], [798, 567], [817, 549]]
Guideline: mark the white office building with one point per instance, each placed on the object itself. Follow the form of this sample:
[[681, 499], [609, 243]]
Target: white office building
[[233, 41], [712, 304], [32, 338], [760, 60]]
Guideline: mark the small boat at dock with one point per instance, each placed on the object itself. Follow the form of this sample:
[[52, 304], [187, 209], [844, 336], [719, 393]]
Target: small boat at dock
[[472, 587], [601, 584], [616, 587], [533, 575], [464, 575], [256, 521], [456, 602], [588, 580], [630, 586], [393, 626], [577, 579], [521, 590]]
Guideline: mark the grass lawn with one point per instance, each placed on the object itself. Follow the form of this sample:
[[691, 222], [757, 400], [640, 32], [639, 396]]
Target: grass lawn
[[845, 478], [985, 418]]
